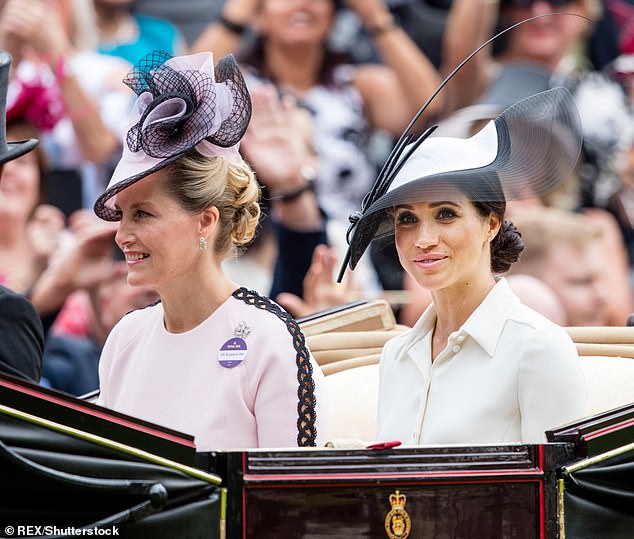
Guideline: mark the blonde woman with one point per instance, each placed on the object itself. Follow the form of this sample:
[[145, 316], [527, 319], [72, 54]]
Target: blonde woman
[[211, 358]]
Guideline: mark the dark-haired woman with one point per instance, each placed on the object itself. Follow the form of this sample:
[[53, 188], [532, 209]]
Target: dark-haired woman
[[478, 366]]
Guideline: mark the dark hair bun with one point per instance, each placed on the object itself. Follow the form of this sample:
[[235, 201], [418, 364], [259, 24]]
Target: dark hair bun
[[506, 247]]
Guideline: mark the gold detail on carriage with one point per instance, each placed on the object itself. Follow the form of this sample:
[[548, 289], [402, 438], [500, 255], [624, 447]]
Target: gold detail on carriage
[[397, 521]]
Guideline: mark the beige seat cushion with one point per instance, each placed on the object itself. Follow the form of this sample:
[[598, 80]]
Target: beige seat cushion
[[602, 334], [610, 382], [369, 316], [334, 347], [353, 398]]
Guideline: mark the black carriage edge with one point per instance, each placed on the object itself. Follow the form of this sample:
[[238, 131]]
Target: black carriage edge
[[69, 463]]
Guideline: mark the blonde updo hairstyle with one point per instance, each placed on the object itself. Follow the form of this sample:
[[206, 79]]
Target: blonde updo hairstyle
[[198, 182]]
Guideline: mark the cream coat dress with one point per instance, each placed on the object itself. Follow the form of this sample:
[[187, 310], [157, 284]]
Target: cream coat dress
[[506, 376]]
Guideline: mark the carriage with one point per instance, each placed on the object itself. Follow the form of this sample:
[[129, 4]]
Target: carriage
[[70, 464]]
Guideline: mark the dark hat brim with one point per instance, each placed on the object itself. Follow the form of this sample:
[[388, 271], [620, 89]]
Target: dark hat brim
[[17, 149]]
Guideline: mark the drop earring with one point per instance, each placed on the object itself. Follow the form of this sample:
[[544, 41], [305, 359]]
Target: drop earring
[[202, 243]]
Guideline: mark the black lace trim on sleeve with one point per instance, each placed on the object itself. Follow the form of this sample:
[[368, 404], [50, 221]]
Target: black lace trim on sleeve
[[307, 430]]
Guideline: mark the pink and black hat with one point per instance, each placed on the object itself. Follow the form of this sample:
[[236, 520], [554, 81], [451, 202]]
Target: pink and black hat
[[183, 102]]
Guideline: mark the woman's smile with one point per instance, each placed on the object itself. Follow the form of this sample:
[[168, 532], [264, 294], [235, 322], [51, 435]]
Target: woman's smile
[[133, 257], [430, 261]]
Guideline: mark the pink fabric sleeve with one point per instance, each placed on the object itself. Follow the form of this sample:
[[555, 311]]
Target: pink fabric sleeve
[[276, 397]]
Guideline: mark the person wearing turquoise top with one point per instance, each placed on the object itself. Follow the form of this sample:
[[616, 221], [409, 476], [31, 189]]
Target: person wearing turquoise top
[[130, 36]]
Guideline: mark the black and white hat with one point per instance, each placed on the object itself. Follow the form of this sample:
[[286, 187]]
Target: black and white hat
[[525, 152]]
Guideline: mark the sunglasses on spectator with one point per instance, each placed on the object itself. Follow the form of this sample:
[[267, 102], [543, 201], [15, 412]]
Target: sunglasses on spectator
[[529, 3]]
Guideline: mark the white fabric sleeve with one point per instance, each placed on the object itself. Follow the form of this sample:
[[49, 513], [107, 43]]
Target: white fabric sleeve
[[551, 384]]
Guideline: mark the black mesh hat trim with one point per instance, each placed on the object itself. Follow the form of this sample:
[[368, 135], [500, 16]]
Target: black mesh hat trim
[[140, 78], [158, 140], [110, 214], [235, 124], [172, 137], [198, 90], [307, 415]]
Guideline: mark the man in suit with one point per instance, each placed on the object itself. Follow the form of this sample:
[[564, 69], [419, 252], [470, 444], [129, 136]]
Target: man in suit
[[21, 331]]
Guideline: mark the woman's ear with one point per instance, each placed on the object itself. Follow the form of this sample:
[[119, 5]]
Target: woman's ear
[[494, 225], [208, 220]]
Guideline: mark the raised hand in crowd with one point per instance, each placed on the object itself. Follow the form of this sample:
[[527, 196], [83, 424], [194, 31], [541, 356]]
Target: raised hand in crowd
[[30, 227], [34, 25], [320, 289], [57, 75], [224, 35], [45, 230], [277, 144], [82, 262]]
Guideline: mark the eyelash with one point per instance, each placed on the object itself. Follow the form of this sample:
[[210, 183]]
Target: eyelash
[[446, 213], [406, 218], [443, 214]]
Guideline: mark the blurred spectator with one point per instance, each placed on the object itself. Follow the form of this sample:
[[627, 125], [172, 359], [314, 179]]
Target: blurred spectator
[[347, 102], [131, 35], [277, 146], [82, 261], [86, 292], [622, 71], [621, 203], [72, 93], [536, 294], [31, 229], [191, 17], [319, 289], [608, 130], [548, 42], [21, 332], [611, 132], [614, 33], [71, 360], [549, 51], [423, 20], [568, 252]]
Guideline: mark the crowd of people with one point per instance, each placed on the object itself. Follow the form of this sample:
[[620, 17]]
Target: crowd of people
[[226, 169]]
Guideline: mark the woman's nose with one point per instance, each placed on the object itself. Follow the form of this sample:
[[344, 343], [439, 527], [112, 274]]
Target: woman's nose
[[123, 235], [427, 236]]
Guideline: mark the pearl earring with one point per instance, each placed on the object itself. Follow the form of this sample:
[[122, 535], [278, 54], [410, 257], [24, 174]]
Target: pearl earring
[[202, 243]]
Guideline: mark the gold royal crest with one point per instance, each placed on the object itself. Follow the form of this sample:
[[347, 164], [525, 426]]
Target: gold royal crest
[[397, 522]]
